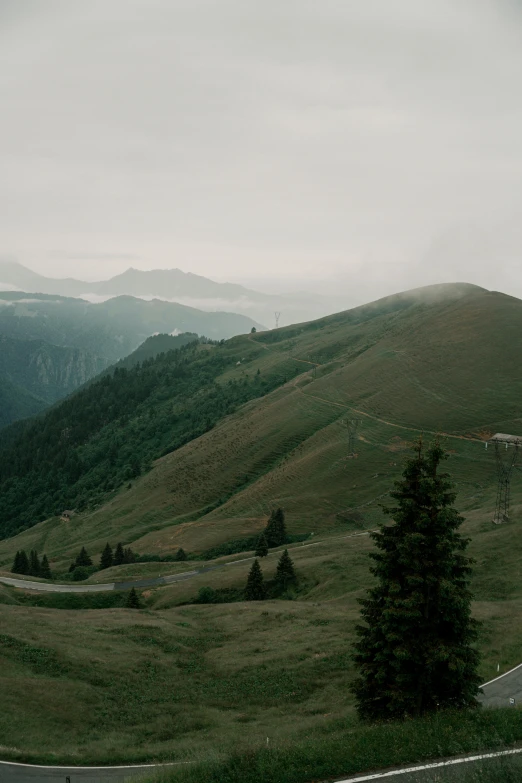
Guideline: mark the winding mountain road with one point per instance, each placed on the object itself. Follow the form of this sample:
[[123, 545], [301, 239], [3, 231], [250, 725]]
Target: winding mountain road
[[156, 581]]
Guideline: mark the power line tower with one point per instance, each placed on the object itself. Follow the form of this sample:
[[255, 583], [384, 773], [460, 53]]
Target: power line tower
[[277, 317], [506, 463]]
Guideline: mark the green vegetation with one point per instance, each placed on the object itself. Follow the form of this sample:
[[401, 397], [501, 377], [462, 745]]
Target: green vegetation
[[342, 748], [285, 573], [133, 601], [31, 566], [261, 546], [255, 589], [275, 531], [239, 670], [416, 652], [110, 431]]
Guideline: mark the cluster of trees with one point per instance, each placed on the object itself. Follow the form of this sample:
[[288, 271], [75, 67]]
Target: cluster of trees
[[32, 565], [257, 590], [274, 533], [108, 433], [116, 558], [416, 652]]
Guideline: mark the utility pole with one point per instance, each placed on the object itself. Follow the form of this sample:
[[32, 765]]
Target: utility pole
[[504, 471], [277, 317]]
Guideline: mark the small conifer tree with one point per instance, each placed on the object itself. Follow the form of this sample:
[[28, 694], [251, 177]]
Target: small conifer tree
[[45, 569], [180, 554], [275, 531], [416, 652], [106, 557], [83, 558], [133, 601], [34, 563], [119, 555], [15, 569], [129, 556], [285, 573], [24, 562], [261, 546], [255, 587]]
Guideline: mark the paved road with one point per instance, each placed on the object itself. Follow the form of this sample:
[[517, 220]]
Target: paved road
[[48, 587], [28, 773], [498, 692]]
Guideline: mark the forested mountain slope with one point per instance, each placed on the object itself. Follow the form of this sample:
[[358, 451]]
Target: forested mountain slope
[[438, 359]]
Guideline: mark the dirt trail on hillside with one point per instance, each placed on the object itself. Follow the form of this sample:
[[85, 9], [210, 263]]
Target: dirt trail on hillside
[[369, 415], [384, 421]]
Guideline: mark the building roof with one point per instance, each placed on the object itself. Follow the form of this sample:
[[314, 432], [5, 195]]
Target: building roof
[[502, 437]]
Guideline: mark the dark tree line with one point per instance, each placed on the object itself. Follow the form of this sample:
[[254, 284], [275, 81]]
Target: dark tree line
[[32, 565], [108, 433], [257, 590]]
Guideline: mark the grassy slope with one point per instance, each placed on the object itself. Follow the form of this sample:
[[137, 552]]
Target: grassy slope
[[450, 367]]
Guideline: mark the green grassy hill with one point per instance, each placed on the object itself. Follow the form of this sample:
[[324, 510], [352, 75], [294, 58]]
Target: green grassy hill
[[441, 359], [437, 360]]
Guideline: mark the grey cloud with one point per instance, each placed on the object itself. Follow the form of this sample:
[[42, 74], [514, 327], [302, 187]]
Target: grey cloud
[[373, 141]]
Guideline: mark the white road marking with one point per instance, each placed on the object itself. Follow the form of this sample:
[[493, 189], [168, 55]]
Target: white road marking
[[502, 675], [436, 765]]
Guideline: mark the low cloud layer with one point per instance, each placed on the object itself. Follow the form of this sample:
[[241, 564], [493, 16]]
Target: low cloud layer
[[374, 142]]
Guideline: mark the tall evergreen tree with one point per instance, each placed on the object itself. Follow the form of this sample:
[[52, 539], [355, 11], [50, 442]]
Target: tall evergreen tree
[[106, 557], [45, 569], [24, 563], [261, 546], [285, 572], [119, 556], [275, 531], [15, 569], [180, 554], [133, 601], [83, 558], [415, 654], [34, 563], [255, 587]]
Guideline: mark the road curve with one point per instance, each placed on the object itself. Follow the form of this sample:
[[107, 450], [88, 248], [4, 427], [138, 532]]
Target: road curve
[[157, 581], [32, 773]]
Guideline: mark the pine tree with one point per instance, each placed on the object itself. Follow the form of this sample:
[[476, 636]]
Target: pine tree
[[83, 558], [285, 573], [34, 563], [255, 586], [118, 555], [275, 531], [129, 556], [106, 557], [133, 601], [261, 546], [180, 554], [45, 570], [415, 654], [15, 569], [24, 563]]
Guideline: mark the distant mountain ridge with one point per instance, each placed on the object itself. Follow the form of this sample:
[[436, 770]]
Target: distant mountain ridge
[[35, 374], [50, 344], [183, 287]]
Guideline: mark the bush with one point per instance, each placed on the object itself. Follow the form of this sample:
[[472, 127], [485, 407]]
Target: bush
[[80, 573]]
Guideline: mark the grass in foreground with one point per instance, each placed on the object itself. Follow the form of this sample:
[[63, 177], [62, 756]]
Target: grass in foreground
[[346, 748]]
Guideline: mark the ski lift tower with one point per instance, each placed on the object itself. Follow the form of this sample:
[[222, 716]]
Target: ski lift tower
[[506, 461]]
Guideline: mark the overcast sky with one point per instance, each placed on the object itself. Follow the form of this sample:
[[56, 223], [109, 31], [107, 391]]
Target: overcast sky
[[379, 141]]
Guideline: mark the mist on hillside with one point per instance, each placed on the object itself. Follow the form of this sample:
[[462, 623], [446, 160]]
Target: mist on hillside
[[347, 150]]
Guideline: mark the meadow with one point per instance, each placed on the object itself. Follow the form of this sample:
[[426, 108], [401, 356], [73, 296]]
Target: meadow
[[176, 680]]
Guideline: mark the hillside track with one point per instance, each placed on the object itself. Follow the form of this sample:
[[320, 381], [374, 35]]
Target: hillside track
[[385, 421], [47, 587]]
